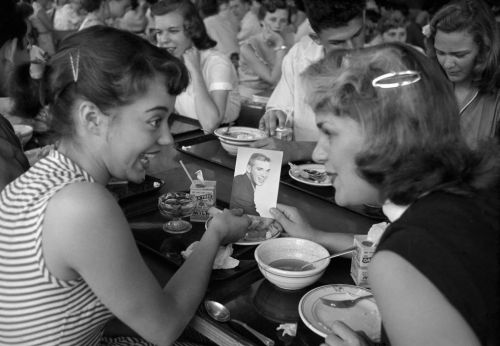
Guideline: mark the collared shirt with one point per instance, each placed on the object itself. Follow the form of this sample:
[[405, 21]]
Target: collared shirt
[[250, 25], [393, 211], [289, 94]]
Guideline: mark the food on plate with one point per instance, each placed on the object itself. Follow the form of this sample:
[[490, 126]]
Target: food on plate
[[262, 228], [241, 135], [313, 174]]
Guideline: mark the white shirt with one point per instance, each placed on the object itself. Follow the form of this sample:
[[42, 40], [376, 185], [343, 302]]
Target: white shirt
[[289, 94], [219, 74]]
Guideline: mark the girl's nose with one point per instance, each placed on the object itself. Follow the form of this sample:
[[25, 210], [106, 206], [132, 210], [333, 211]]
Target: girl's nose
[[320, 154], [165, 137]]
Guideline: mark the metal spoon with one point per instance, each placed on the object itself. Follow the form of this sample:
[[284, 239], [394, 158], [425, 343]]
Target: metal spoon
[[221, 313], [345, 252]]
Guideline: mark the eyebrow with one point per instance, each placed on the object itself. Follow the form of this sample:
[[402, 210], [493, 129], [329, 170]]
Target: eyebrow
[[157, 108]]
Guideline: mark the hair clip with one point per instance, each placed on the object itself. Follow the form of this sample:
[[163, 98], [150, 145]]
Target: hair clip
[[38, 60], [396, 79], [75, 66]]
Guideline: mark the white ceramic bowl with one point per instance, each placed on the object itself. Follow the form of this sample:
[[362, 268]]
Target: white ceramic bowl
[[295, 249], [238, 136], [23, 132]]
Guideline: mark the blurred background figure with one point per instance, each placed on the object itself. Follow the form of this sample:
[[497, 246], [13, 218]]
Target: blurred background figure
[[219, 27], [100, 11], [212, 96], [262, 54], [247, 12], [135, 20], [392, 29], [43, 25], [464, 39], [68, 15]]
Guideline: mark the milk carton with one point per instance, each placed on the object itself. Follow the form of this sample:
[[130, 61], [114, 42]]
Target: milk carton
[[205, 193], [361, 258]]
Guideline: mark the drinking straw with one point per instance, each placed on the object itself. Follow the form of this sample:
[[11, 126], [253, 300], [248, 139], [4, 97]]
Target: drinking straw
[[185, 170]]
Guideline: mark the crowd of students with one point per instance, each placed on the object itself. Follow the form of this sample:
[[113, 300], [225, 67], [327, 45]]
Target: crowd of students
[[414, 132]]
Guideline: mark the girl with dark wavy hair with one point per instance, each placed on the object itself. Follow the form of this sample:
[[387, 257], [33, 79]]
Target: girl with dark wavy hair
[[465, 40], [212, 96], [390, 135], [67, 250]]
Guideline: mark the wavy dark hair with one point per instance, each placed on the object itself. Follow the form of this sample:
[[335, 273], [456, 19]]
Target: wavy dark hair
[[193, 23], [474, 17], [114, 68], [327, 14], [91, 5], [413, 140], [270, 6]]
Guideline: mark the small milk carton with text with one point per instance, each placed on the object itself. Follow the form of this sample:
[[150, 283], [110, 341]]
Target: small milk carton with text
[[365, 249], [205, 194]]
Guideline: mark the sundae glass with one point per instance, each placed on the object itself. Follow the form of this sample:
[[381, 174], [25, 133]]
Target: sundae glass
[[176, 206]]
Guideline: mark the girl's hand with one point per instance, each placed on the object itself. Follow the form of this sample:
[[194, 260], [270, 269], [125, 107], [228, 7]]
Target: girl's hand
[[344, 336], [192, 59], [231, 225], [292, 221], [273, 39]]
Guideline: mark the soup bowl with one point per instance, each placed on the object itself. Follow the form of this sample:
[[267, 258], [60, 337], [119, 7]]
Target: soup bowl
[[238, 136], [280, 259]]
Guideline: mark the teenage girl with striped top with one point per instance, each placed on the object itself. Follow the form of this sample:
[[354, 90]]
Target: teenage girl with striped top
[[69, 261]]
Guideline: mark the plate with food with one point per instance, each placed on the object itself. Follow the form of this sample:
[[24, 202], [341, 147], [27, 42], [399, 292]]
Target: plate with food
[[319, 316], [238, 134], [311, 174], [261, 229]]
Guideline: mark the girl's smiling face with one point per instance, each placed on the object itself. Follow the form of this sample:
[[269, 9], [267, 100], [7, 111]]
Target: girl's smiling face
[[341, 139], [136, 132], [171, 34]]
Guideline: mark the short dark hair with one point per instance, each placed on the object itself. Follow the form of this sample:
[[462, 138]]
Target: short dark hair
[[388, 22], [271, 6], [91, 5], [474, 17], [114, 68], [413, 140], [193, 23], [327, 14]]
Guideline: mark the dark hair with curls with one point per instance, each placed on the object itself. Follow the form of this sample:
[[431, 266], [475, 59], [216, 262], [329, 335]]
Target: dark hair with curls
[[413, 143], [328, 14], [114, 68], [389, 22], [193, 24], [270, 6], [474, 17]]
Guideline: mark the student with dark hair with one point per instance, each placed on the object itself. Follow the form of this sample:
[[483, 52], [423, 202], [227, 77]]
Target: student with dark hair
[[262, 54], [390, 135], [336, 25], [212, 96], [66, 247], [464, 38]]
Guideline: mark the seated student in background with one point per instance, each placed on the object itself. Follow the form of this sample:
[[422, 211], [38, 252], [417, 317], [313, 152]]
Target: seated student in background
[[337, 25], [392, 29], [66, 246], [99, 11], [464, 38], [261, 55], [212, 95], [384, 116]]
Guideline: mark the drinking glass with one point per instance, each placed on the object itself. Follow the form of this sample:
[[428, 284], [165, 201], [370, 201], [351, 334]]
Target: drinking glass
[[176, 206]]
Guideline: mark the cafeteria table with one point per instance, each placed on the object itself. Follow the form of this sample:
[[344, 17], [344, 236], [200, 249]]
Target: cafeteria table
[[249, 297]]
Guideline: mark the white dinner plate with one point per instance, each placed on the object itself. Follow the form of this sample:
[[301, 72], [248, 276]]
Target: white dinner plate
[[315, 166], [239, 134], [364, 316]]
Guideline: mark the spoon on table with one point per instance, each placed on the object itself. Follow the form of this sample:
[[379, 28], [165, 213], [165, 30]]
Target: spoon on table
[[345, 252], [221, 313]]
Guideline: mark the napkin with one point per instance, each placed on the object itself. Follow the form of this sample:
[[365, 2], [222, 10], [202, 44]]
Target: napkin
[[288, 329], [223, 259], [376, 231]]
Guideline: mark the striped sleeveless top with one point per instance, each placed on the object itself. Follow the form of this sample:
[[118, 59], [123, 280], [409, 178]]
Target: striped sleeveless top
[[37, 308]]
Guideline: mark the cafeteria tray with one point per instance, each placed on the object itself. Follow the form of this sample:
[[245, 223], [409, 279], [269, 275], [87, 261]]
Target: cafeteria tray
[[169, 247], [208, 148]]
